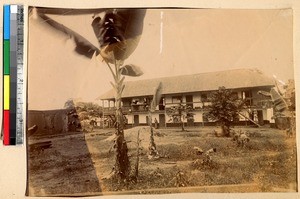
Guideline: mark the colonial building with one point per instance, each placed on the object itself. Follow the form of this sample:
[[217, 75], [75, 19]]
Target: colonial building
[[194, 90]]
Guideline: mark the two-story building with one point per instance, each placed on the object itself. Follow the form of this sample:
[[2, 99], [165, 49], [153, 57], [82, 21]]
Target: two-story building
[[194, 90]]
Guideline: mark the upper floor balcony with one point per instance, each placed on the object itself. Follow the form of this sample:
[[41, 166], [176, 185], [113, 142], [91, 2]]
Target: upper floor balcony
[[134, 108], [254, 103]]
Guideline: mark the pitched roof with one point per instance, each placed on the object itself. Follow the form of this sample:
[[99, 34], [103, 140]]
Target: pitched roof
[[231, 79]]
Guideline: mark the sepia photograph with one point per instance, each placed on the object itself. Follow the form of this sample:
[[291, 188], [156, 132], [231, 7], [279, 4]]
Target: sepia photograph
[[160, 101]]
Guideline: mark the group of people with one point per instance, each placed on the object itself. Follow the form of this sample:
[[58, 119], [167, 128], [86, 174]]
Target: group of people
[[145, 103]]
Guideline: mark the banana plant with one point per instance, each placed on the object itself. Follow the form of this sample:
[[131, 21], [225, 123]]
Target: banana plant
[[118, 33], [281, 105], [156, 98]]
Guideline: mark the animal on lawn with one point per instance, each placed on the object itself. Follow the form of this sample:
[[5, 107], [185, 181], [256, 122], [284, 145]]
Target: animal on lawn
[[242, 140], [206, 155]]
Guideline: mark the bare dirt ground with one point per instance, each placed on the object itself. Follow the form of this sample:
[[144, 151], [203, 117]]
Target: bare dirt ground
[[78, 164]]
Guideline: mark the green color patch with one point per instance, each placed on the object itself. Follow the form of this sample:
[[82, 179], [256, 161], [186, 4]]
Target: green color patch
[[6, 53]]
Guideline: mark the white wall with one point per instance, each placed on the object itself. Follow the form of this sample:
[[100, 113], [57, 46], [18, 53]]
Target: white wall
[[198, 117], [207, 103], [239, 94], [244, 112], [142, 118], [111, 104], [183, 99], [155, 115], [105, 104], [270, 115], [130, 119], [265, 115], [168, 100]]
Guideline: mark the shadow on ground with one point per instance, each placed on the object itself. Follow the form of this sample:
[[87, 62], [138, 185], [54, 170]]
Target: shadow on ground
[[60, 165]]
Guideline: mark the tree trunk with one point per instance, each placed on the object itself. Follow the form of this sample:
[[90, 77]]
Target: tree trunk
[[122, 164], [137, 156], [152, 145], [225, 130], [182, 123], [182, 126]]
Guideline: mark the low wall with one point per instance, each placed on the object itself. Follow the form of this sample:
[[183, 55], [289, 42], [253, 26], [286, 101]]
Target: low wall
[[48, 122]]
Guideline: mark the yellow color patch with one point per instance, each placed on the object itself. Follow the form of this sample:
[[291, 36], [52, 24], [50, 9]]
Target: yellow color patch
[[6, 92]]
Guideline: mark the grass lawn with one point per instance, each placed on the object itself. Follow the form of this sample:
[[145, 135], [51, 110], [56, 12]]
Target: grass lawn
[[79, 163]]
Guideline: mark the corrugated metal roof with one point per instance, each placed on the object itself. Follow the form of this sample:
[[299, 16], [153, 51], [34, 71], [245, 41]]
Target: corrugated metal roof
[[231, 79]]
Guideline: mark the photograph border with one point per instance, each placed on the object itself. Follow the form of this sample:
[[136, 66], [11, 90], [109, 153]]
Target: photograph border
[[13, 159]]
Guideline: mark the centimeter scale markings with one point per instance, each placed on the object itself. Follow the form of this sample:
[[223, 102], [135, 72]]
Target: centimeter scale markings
[[13, 75], [20, 76]]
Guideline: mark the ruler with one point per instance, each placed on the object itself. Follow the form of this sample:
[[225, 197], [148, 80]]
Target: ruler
[[20, 76], [13, 74], [13, 89]]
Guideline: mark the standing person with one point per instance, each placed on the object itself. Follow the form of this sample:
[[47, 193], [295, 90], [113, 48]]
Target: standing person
[[145, 102]]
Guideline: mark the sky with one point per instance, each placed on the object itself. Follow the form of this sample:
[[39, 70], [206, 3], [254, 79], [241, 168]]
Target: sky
[[174, 42]]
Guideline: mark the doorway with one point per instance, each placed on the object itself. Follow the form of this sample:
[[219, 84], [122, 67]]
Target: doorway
[[136, 120], [189, 101], [162, 120], [260, 117]]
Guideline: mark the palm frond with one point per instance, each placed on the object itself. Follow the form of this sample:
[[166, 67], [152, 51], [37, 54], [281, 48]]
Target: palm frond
[[83, 46]]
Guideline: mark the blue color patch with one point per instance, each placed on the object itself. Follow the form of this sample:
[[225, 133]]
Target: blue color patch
[[6, 21]]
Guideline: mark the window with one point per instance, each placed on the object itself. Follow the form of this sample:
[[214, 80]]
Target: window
[[126, 102], [247, 95], [135, 101], [176, 99], [204, 98], [161, 104], [105, 104], [189, 101], [111, 104]]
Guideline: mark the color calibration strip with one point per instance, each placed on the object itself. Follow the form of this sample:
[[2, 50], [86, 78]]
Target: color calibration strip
[[13, 74]]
